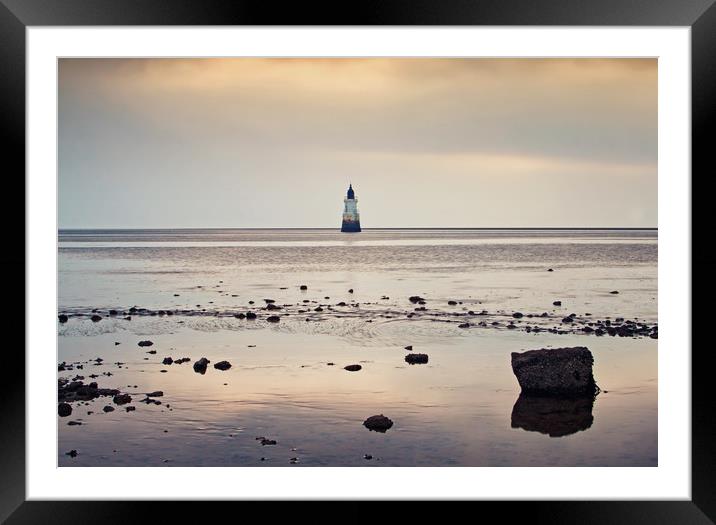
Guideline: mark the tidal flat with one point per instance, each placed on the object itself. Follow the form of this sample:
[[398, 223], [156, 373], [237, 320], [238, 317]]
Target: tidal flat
[[325, 301]]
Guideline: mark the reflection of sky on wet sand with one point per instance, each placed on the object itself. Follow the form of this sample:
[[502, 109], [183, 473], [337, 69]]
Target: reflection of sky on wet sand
[[454, 411]]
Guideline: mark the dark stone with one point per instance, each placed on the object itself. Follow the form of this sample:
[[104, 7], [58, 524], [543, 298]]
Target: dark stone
[[415, 359], [145, 343], [108, 408], [464, 325], [250, 315], [352, 368], [269, 301], [222, 365], [96, 318], [415, 299], [367, 456], [554, 416], [350, 291], [273, 319], [62, 318], [156, 393], [409, 347], [555, 371], [452, 303], [304, 287], [378, 423], [167, 361], [318, 309], [614, 292], [122, 399], [518, 315], [200, 365], [272, 306], [265, 442], [567, 319], [240, 316], [557, 303], [64, 409], [130, 409], [550, 270], [71, 453]]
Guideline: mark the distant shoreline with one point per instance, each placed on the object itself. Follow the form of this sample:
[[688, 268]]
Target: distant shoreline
[[451, 228]]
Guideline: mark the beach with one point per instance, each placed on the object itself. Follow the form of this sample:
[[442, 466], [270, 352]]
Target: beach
[[322, 300]]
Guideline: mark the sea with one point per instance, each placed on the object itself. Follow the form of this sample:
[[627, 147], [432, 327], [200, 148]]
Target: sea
[[354, 299]]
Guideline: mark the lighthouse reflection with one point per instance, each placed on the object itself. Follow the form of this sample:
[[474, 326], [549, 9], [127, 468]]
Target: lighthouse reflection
[[554, 416]]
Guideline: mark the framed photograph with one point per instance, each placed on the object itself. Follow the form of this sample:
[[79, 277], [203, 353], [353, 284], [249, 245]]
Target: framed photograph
[[422, 252]]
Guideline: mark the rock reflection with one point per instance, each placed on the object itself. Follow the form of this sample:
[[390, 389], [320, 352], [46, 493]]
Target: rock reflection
[[554, 416]]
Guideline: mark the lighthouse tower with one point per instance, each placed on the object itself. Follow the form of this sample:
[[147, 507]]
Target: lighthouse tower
[[351, 219]]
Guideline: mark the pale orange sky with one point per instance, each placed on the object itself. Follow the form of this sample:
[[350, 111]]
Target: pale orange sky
[[426, 142]]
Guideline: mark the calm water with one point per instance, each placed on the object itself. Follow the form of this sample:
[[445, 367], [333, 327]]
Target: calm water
[[460, 409]]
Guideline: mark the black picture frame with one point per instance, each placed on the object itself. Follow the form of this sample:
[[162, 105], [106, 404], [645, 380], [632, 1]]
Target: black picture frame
[[17, 15]]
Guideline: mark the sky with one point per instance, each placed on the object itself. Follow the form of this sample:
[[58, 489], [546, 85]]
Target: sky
[[274, 142]]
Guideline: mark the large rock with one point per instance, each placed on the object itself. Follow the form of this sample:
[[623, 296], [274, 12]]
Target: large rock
[[555, 371]]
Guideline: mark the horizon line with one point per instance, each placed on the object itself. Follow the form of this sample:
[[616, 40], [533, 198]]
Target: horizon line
[[364, 229]]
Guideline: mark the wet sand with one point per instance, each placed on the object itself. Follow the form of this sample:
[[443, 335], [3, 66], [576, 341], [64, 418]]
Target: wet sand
[[287, 382]]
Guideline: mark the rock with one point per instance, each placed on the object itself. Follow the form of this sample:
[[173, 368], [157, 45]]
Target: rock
[[273, 319], [518, 315], [122, 399], [557, 303], [130, 409], [62, 318], [614, 292], [416, 359], [269, 301], [303, 287], [464, 325], [567, 319], [415, 299], [222, 365], [350, 291], [200, 365], [96, 318], [550, 270], [555, 371], [145, 343], [409, 347], [156, 393], [265, 442], [272, 306], [167, 361], [108, 408], [378, 423], [71, 453], [367, 456], [452, 303], [250, 315], [352, 368], [64, 409]]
